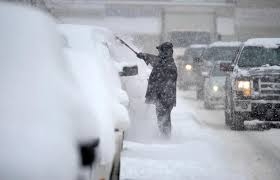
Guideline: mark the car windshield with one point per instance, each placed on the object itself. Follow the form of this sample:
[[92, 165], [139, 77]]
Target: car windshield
[[192, 53], [217, 72], [220, 53], [259, 56]]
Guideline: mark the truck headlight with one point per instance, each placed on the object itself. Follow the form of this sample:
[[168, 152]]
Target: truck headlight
[[188, 67], [245, 87], [215, 88]]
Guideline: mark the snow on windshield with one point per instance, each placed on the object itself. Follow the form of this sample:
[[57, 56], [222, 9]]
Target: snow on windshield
[[220, 53]]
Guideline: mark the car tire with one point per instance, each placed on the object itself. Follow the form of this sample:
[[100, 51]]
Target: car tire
[[237, 121]]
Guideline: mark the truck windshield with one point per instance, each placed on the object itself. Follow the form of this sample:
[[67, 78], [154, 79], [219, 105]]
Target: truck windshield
[[259, 56], [220, 53]]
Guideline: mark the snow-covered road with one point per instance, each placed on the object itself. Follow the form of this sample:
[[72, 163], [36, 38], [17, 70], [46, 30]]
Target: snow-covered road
[[201, 147]]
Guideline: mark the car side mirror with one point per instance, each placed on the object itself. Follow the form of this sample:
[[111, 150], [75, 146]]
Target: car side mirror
[[226, 67], [87, 152], [197, 61], [129, 71]]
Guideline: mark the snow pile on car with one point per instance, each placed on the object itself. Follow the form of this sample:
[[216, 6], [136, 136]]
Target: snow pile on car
[[40, 107], [99, 81], [198, 46], [264, 42], [225, 44]]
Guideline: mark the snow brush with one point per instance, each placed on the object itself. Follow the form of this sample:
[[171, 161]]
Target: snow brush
[[124, 43]]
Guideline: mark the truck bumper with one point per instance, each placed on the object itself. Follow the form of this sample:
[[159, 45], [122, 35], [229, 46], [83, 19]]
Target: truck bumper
[[260, 109]]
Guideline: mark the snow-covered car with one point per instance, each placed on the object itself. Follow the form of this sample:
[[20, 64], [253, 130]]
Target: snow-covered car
[[217, 51], [186, 73], [97, 67], [45, 119], [253, 89], [214, 87]]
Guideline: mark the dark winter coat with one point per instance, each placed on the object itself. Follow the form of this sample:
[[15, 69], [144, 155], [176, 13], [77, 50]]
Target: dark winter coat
[[162, 80]]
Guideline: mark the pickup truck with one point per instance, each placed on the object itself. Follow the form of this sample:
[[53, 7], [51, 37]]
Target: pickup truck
[[253, 87]]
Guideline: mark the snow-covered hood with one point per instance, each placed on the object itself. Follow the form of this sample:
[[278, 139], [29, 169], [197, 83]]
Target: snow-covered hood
[[257, 71]]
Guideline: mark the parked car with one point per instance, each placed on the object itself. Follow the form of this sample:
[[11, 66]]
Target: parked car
[[214, 87], [45, 119], [217, 51], [94, 44], [253, 89], [186, 74]]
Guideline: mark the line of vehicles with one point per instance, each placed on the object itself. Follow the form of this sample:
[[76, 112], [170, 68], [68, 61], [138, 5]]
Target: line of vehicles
[[244, 77], [66, 92]]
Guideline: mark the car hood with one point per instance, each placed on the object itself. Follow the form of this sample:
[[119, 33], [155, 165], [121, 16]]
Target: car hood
[[265, 70]]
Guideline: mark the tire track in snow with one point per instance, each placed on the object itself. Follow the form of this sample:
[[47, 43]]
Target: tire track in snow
[[270, 154]]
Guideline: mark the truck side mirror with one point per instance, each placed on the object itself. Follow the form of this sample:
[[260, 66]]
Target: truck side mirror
[[226, 67], [87, 152], [129, 71]]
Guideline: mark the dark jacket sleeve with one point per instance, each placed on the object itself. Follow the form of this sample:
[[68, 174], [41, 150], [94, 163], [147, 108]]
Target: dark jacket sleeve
[[151, 59]]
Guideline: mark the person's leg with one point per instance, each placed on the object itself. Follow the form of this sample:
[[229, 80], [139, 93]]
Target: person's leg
[[167, 123], [159, 113], [163, 118]]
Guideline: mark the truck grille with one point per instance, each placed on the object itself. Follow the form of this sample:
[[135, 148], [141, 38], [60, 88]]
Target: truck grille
[[267, 86]]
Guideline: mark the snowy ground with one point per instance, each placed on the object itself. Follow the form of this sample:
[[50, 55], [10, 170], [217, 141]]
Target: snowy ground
[[201, 147]]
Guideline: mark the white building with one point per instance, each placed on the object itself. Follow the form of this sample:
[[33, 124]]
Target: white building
[[182, 21]]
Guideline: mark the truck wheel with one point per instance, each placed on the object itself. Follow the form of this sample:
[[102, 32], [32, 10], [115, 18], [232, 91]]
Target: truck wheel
[[237, 121], [228, 119]]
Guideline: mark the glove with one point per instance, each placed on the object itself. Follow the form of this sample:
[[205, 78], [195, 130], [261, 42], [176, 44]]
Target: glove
[[141, 55]]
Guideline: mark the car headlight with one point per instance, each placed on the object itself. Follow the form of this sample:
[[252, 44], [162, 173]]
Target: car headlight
[[188, 67], [215, 88], [245, 87]]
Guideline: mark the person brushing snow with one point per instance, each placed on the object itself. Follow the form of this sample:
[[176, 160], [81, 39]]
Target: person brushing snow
[[161, 89]]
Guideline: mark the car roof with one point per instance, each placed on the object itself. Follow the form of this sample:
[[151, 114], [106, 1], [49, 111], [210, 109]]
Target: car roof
[[225, 44], [263, 42]]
